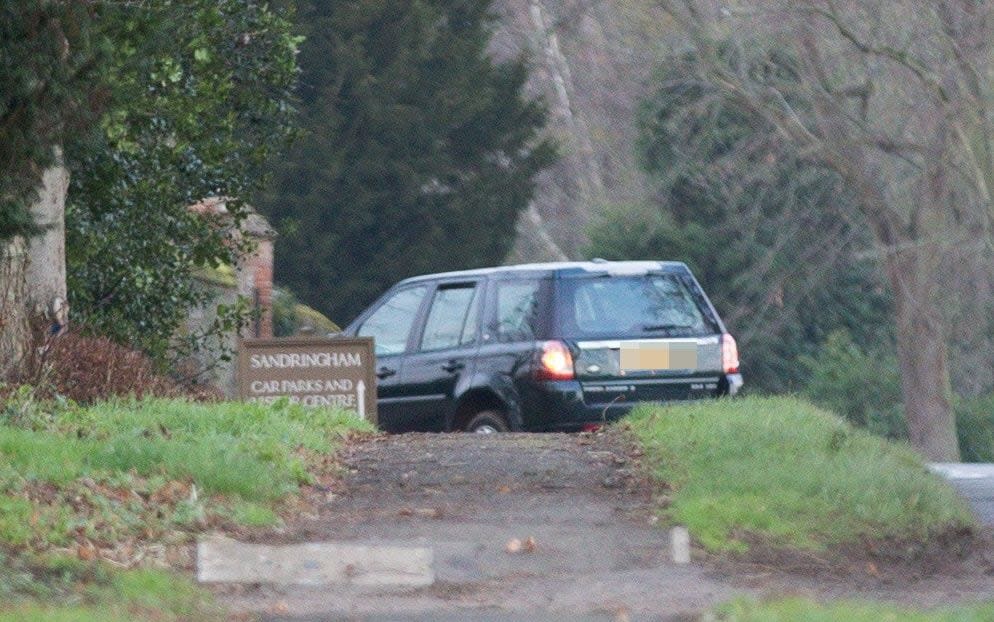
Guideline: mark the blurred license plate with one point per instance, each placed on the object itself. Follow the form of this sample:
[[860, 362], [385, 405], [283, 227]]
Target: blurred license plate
[[653, 355]]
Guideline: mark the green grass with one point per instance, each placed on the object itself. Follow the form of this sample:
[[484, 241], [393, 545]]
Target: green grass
[[802, 610], [252, 514], [244, 450], [113, 461], [151, 471], [793, 474], [103, 594], [48, 613], [154, 590]]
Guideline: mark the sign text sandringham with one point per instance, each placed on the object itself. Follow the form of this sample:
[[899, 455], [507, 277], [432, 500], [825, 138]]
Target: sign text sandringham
[[312, 372]]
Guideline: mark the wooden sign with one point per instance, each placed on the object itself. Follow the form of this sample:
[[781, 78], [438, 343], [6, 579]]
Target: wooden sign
[[331, 372]]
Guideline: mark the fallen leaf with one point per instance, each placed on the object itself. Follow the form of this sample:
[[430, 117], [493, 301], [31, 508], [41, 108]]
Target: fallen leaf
[[170, 493], [530, 544], [513, 546], [504, 489], [871, 568], [281, 607], [86, 551]]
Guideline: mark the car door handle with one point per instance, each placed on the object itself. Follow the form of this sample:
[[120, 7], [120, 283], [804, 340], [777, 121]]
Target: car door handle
[[453, 366], [385, 372]]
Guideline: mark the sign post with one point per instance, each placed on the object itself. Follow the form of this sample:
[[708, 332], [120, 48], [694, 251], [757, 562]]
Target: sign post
[[313, 372]]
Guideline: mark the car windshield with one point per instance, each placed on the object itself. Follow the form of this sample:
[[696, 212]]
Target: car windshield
[[645, 306]]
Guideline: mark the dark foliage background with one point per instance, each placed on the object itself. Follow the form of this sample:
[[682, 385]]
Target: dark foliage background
[[48, 54], [771, 237], [419, 150]]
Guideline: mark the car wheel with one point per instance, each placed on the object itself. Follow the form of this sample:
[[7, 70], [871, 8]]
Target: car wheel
[[487, 422]]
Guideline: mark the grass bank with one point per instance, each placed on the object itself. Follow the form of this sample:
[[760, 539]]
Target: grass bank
[[128, 483], [789, 473], [803, 610], [79, 591]]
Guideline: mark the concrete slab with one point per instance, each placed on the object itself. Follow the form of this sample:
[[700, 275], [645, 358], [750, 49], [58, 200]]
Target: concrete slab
[[224, 560]]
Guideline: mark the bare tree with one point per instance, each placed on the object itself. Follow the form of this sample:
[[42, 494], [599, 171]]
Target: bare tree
[[896, 97]]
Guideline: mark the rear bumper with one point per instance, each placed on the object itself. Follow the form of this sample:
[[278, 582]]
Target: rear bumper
[[561, 405]]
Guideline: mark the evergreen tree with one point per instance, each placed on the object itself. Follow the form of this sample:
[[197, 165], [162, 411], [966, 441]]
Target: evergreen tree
[[47, 54], [420, 150]]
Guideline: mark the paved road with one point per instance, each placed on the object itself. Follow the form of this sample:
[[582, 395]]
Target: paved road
[[976, 483]]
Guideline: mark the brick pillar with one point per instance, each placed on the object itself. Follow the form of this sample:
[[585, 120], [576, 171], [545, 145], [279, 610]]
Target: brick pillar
[[255, 275], [263, 282]]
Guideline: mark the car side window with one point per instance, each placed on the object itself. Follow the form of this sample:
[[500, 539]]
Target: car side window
[[472, 319], [452, 318], [390, 325], [517, 309]]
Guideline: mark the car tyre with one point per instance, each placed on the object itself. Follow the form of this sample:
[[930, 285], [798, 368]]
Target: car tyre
[[488, 422]]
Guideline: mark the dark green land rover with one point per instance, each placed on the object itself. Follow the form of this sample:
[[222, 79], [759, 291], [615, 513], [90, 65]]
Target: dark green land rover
[[541, 347]]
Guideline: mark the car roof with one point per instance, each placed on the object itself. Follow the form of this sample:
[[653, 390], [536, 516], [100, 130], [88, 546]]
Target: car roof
[[572, 267]]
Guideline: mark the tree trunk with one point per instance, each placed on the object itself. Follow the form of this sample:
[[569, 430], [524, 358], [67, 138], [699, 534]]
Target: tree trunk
[[14, 334], [45, 273], [33, 277], [923, 353], [912, 260]]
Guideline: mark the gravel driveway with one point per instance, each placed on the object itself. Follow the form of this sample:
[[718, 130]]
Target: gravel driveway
[[523, 526], [526, 527]]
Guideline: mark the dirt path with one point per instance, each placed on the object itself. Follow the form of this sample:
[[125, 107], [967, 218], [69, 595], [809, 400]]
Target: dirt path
[[466, 496], [597, 554]]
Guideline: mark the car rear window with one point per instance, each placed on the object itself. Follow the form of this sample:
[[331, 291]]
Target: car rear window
[[653, 305]]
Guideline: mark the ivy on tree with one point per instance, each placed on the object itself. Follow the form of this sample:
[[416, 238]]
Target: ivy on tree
[[420, 150], [47, 54]]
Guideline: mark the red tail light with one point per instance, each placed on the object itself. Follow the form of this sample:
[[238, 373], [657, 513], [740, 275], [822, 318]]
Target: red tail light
[[729, 354], [555, 362]]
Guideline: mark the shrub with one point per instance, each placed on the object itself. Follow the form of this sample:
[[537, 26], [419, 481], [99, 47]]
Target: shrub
[[291, 317], [89, 369], [975, 428], [865, 388], [862, 386]]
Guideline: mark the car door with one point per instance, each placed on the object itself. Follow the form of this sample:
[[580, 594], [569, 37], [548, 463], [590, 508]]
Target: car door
[[391, 325], [443, 354]]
